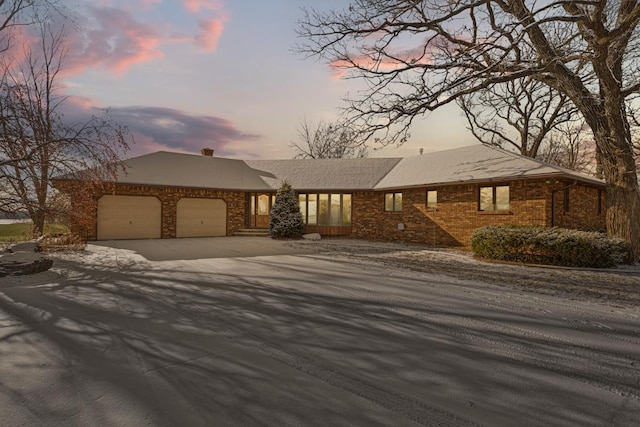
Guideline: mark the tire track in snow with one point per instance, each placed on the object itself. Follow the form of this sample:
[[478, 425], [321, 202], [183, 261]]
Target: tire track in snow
[[559, 364]]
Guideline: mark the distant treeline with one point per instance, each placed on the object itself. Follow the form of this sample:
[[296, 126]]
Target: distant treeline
[[14, 215]]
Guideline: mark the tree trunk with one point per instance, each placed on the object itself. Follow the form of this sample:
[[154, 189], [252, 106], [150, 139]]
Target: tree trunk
[[623, 216], [623, 193], [38, 223], [607, 117]]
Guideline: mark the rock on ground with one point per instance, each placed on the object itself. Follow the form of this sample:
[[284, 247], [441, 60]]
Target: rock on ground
[[25, 247], [22, 263], [311, 236]]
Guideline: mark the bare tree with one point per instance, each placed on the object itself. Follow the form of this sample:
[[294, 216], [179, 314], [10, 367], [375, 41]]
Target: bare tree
[[37, 142], [19, 13], [417, 56], [328, 141], [516, 114], [15, 14], [571, 146]]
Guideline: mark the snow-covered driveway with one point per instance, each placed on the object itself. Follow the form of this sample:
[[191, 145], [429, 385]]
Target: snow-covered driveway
[[110, 337]]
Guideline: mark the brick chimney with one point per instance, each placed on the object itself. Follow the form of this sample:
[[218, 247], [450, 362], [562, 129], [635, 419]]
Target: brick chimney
[[207, 152]]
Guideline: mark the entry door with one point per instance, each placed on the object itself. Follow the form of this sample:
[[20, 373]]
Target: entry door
[[262, 211], [260, 208]]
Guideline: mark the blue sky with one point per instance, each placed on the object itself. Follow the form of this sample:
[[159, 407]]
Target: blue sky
[[185, 74]]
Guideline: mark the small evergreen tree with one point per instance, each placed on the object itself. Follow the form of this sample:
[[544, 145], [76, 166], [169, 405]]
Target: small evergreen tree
[[286, 219]]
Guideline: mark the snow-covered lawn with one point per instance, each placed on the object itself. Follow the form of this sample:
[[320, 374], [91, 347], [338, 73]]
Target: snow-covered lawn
[[618, 286], [343, 333]]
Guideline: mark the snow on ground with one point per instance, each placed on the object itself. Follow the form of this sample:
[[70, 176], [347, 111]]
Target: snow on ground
[[618, 286], [336, 332]]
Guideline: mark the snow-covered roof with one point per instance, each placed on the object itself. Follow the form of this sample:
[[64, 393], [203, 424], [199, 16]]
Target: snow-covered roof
[[188, 170], [325, 174], [476, 163]]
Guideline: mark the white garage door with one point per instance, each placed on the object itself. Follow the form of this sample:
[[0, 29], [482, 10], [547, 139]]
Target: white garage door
[[129, 217], [201, 218]]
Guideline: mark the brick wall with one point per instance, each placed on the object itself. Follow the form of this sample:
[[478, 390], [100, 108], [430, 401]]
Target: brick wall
[[450, 224], [457, 214], [583, 212], [169, 197]]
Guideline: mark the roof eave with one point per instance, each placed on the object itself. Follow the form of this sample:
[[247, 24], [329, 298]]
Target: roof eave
[[587, 180]]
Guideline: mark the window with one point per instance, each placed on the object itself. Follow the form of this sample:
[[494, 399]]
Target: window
[[263, 204], [600, 200], [494, 198], [334, 211], [346, 209], [302, 201], [312, 209], [393, 202], [432, 199], [325, 209]]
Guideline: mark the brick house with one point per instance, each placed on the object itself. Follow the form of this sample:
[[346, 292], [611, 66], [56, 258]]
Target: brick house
[[435, 198]]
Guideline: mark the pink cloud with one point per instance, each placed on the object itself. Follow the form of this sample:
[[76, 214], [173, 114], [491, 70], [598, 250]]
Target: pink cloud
[[399, 59], [18, 44], [117, 41], [210, 32], [195, 6], [340, 67]]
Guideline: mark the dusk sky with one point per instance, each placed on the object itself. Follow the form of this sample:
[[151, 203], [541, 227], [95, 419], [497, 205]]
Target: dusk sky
[[188, 74]]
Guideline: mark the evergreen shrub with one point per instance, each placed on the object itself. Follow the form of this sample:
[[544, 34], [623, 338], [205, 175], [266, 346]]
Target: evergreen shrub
[[552, 246], [285, 217]]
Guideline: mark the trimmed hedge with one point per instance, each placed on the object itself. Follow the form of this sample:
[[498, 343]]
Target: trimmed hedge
[[552, 246]]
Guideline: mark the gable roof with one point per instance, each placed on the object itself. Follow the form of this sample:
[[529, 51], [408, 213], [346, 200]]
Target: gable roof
[[476, 163]]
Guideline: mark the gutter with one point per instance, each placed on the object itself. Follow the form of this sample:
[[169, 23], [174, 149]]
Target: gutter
[[555, 176]]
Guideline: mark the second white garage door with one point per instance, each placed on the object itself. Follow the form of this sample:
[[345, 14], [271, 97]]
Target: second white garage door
[[201, 218]]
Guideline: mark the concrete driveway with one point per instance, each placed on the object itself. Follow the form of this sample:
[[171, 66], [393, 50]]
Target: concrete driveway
[[202, 248], [128, 334]]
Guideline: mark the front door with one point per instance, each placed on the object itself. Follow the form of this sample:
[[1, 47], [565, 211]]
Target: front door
[[260, 206]]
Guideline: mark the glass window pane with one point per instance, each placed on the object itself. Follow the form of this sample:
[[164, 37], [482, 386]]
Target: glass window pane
[[302, 201], [312, 209], [253, 209], [323, 209], [335, 217], [398, 202], [486, 198], [502, 197], [346, 209], [263, 204], [388, 202], [432, 199]]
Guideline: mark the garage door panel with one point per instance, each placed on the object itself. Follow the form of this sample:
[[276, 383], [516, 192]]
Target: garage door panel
[[197, 217], [129, 217]]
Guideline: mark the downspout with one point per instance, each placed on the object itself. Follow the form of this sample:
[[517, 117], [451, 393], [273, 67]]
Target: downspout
[[553, 201]]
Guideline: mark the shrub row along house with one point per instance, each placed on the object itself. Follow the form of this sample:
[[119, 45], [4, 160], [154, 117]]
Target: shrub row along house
[[435, 198]]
